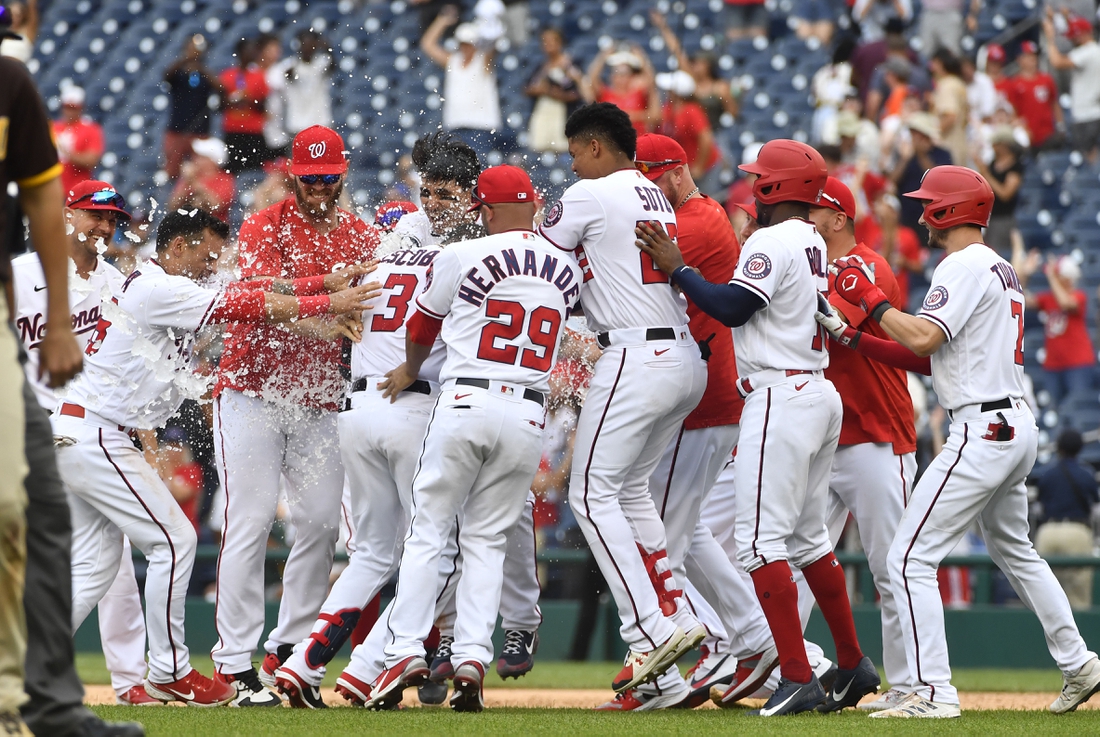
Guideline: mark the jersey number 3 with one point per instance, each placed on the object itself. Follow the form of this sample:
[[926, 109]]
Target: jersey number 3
[[404, 286], [650, 273], [542, 332]]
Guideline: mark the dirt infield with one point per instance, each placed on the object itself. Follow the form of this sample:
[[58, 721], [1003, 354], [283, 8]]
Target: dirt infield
[[589, 698]]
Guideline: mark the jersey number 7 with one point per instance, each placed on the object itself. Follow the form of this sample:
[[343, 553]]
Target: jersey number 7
[[542, 331], [1018, 312], [650, 273]]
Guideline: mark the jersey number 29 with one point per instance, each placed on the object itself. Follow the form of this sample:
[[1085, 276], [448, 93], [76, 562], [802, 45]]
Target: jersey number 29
[[542, 331]]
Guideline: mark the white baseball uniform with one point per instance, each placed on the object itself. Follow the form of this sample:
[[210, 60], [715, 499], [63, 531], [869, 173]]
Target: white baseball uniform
[[976, 300], [649, 377], [503, 301]]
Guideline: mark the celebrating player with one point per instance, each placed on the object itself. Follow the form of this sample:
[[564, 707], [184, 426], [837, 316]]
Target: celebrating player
[[276, 400], [972, 326], [136, 375], [500, 303], [782, 476]]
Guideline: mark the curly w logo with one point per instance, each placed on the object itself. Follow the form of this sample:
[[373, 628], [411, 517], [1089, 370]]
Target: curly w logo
[[317, 150]]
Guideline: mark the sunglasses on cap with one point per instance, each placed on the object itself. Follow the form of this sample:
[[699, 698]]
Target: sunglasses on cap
[[833, 201], [326, 179], [645, 166], [102, 197]]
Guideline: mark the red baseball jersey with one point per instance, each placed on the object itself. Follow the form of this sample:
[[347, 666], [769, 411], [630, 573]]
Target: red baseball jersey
[[82, 137], [1034, 99], [1068, 344], [877, 405], [269, 360], [708, 243]]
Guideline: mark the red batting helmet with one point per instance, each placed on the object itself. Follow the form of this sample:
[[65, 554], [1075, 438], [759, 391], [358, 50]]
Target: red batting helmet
[[787, 171], [954, 195]]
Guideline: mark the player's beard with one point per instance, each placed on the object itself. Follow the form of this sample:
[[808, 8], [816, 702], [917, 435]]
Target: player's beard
[[326, 208], [764, 214], [937, 238]]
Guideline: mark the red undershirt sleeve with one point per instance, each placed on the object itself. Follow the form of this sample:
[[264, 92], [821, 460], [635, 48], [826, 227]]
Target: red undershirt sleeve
[[422, 329]]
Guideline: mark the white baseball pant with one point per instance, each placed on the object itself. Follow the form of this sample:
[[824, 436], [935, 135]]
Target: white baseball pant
[[479, 458], [122, 627], [640, 394], [974, 477], [256, 443], [113, 493]]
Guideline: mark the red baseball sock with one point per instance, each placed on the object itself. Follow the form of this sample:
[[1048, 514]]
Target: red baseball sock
[[826, 579], [366, 621], [779, 599]]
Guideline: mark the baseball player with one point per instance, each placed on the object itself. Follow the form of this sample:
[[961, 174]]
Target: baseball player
[[649, 377], [782, 476], [875, 463], [972, 325], [500, 304], [697, 453], [93, 211], [136, 375], [276, 401]]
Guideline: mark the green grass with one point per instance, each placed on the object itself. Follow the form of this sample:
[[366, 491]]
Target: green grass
[[185, 722]]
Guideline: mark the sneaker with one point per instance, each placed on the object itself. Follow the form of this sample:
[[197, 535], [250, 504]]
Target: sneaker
[[431, 693], [467, 695], [791, 698], [136, 696], [887, 700], [388, 689], [709, 671], [250, 692], [916, 706], [12, 725], [194, 689], [751, 674], [351, 688], [442, 670], [1078, 687], [851, 686], [518, 655], [272, 662], [298, 691], [647, 666], [637, 700]]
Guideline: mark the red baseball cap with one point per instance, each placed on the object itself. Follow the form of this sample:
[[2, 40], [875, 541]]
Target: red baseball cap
[[749, 208], [1079, 27], [500, 185], [837, 196], [1029, 47], [93, 194], [995, 52], [318, 150], [390, 212], [655, 154]]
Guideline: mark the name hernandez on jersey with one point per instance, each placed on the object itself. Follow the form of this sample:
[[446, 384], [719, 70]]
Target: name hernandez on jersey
[[503, 300], [977, 301], [784, 265], [622, 287], [403, 276]]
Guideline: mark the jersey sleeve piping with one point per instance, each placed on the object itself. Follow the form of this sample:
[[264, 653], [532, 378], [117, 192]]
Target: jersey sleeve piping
[[553, 243], [426, 311], [752, 288], [939, 323], [218, 299], [41, 178]]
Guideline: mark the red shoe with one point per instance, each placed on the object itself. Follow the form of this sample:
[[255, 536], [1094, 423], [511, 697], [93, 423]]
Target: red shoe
[[298, 691], [467, 694], [353, 689], [388, 689], [644, 667], [752, 673], [137, 696], [635, 700], [194, 689], [271, 663]]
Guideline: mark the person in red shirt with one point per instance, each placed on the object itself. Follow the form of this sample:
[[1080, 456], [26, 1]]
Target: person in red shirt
[[630, 86], [203, 183], [244, 90], [79, 140], [1070, 361], [995, 58], [684, 120], [875, 463], [897, 243], [276, 399], [1034, 95]]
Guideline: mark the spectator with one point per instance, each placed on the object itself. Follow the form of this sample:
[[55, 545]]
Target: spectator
[[471, 101], [631, 85], [176, 465], [874, 15], [917, 155], [516, 15], [868, 55], [1070, 361], [190, 87], [981, 93], [814, 19], [831, 85], [745, 19], [24, 25], [429, 10], [898, 244], [995, 58], [269, 52], [79, 139], [858, 140], [941, 24], [556, 87], [309, 84], [1067, 491], [741, 190], [245, 93], [204, 183], [711, 91], [1034, 96], [898, 62], [276, 186], [684, 120], [949, 103], [1083, 64], [1005, 174]]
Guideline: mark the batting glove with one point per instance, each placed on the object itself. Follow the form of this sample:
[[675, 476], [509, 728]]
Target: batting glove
[[841, 331], [855, 282]]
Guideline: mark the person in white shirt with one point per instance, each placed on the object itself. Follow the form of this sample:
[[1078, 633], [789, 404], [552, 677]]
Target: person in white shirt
[[1083, 64]]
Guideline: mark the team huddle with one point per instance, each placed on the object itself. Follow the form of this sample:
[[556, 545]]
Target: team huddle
[[749, 394]]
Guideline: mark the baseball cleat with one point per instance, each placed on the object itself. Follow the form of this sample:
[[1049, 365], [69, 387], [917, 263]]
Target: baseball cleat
[[351, 688], [851, 686], [194, 689], [136, 696], [1078, 687], [638, 700], [752, 673], [647, 666], [517, 657], [250, 692], [431, 693], [300, 693], [272, 662], [791, 698], [442, 670], [93, 726], [711, 670], [467, 681], [916, 706], [887, 700], [388, 689], [826, 672]]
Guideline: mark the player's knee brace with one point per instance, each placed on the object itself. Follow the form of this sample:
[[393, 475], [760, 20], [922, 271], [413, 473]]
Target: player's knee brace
[[324, 645]]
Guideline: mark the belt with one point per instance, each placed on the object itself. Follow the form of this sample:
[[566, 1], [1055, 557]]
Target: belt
[[419, 386], [75, 410], [529, 394], [1005, 403], [604, 339]]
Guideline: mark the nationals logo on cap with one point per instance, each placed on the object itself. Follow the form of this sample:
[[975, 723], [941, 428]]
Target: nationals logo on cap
[[318, 150]]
